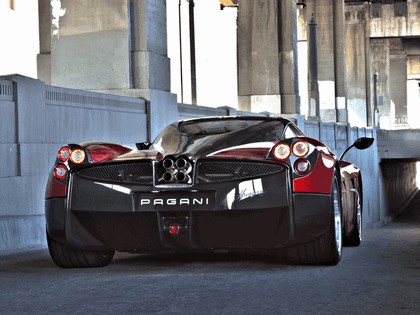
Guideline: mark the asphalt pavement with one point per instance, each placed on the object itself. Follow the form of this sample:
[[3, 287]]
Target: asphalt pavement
[[382, 276]]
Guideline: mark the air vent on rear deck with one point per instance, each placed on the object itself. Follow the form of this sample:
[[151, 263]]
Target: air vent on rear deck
[[132, 173], [216, 171]]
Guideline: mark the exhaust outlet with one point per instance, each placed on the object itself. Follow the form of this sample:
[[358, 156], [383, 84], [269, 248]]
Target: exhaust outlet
[[168, 164], [182, 177], [183, 165], [167, 177]]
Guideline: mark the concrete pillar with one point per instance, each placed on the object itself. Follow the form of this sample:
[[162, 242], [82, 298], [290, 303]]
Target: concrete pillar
[[369, 101], [44, 56], [263, 52], [359, 74], [287, 43], [324, 17], [380, 63], [149, 45], [313, 99], [331, 40], [398, 81], [340, 61], [258, 77]]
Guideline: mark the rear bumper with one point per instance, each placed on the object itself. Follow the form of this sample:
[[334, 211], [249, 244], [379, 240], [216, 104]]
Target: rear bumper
[[148, 231]]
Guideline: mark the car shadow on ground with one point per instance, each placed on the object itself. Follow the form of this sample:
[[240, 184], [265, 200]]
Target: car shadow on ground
[[39, 260]]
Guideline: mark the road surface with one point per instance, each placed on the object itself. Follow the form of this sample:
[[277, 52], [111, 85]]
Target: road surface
[[382, 276]]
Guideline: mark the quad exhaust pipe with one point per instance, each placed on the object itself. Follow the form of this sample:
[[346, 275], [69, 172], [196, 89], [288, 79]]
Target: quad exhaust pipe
[[177, 170]]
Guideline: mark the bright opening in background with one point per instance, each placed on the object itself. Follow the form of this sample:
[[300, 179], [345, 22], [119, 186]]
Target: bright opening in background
[[20, 37], [418, 175], [215, 52]]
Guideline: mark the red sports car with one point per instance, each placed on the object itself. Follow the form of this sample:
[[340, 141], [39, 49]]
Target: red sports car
[[221, 183]]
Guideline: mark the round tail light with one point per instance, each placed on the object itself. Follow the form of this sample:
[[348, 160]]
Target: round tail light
[[300, 148], [63, 154], [281, 151], [78, 156], [60, 171]]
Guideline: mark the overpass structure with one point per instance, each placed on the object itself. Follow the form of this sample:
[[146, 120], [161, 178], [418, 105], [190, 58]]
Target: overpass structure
[[345, 61], [104, 74], [400, 144]]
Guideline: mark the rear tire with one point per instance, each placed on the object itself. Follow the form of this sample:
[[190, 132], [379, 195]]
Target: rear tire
[[327, 249], [67, 257]]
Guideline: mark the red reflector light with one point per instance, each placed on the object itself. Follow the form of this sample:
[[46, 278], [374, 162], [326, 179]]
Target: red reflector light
[[105, 151], [63, 154], [60, 171], [302, 166], [174, 229], [98, 153]]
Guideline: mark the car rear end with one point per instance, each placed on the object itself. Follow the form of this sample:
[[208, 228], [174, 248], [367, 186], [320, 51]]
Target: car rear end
[[229, 203]]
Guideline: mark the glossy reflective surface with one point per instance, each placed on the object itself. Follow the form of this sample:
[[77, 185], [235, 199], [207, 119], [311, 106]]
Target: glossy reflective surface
[[337, 218], [207, 136]]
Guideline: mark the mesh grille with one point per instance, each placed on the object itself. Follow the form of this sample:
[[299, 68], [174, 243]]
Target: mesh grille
[[182, 221], [210, 171], [122, 173]]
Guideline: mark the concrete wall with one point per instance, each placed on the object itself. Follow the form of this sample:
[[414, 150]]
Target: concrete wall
[[22, 170], [35, 120], [399, 144]]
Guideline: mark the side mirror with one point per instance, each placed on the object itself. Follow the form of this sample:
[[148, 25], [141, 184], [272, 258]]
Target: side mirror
[[363, 143], [360, 144]]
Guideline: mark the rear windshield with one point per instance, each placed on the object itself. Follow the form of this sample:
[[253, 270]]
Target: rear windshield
[[218, 132], [215, 127]]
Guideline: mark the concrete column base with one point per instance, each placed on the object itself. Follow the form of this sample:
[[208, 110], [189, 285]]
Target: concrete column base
[[288, 103], [44, 67], [342, 116], [260, 103], [328, 115], [22, 232]]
